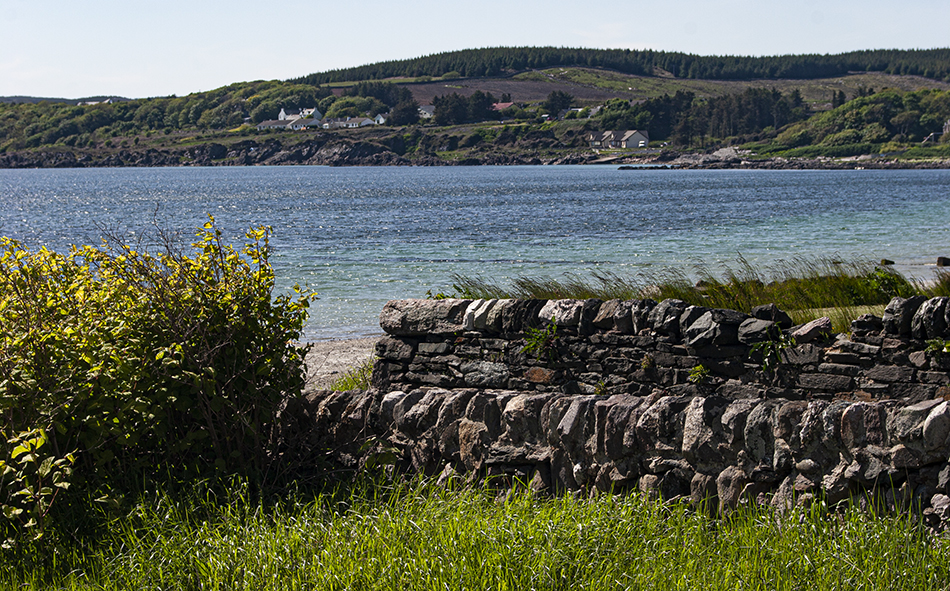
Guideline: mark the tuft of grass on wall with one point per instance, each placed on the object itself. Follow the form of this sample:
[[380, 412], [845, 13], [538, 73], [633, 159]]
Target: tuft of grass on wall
[[839, 289], [357, 378]]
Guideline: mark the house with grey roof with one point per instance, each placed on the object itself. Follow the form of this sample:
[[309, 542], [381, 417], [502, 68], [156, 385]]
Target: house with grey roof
[[607, 140]]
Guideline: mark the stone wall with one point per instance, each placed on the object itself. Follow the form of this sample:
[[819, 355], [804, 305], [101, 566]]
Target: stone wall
[[663, 397]]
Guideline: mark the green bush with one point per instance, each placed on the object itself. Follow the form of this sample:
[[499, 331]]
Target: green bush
[[149, 366]]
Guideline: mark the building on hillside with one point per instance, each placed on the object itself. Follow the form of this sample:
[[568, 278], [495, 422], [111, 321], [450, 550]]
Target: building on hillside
[[501, 106], [272, 124], [634, 138], [381, 118], [291, 114], [358, 122], [426, 111], [288, 114]]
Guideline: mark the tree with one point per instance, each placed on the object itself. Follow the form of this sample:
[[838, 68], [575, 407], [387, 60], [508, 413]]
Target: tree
[[404, 113], [557, 101], [450, 109], [480, 106]]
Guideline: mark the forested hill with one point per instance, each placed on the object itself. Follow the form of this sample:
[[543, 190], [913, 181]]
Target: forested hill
[[930, 63]]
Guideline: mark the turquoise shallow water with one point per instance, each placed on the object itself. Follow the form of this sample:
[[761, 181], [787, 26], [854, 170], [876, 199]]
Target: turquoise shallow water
[[362, 236]]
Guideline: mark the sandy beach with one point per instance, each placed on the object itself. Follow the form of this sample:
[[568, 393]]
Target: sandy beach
[[329, 360]]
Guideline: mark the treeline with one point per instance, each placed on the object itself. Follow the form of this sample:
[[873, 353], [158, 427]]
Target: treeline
[[682, 118], [497, 61]]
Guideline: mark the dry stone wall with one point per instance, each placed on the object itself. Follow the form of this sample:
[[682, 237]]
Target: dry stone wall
[[662, 397]]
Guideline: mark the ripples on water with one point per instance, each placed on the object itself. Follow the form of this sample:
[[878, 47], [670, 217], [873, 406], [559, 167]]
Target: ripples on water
[[362, 236]]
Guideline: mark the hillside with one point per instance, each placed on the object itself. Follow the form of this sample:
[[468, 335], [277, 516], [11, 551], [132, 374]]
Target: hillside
[[773, 117]]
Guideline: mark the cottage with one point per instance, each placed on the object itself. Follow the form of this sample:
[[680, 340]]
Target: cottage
[[636, 138], [381, 118], [272, 124], [358, 122], [426, 111], [289, 114]]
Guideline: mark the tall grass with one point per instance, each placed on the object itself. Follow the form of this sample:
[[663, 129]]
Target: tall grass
[[806, 288], [421, 536]]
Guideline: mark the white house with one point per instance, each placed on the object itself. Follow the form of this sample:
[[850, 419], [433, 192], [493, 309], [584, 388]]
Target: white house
[[289, 114], [635, 138], [426, 111], [272, 124], [381, 118]]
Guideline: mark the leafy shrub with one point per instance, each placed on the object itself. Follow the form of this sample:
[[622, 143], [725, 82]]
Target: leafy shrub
[[149, 366]]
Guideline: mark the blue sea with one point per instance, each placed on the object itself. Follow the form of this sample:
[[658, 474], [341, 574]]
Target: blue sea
[[362, 236]]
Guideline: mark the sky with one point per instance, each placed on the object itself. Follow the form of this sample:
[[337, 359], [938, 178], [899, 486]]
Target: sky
[[146, 48]]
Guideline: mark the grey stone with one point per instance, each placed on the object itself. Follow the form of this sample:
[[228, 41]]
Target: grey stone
[[519, 315], [690, 315], [485, 374], [395, 349], [906, 424], [772, 313], [564, 313], [889, 373], [434, 348], [755, 330], [899, 314], [702, 428], [734, 419], [703, 492], [759, 441], [664, 318], [423, 317], [660, 426], [473, 443], [941, 506], [715, 328], [477, 314], [930, 320], [605, 315], [867, 324], [423, 414], [495, 314], [936, 428], [640, 311], [616, 424], [522, 418], [813, 331], [729, 486], [825, 382]]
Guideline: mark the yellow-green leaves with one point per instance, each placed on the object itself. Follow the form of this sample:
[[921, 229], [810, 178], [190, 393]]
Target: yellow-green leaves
[[155, 364]]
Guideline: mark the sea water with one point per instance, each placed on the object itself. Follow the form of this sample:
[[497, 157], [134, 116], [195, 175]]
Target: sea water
[[361, 236]]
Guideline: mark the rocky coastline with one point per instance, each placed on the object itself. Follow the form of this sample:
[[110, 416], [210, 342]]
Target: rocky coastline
[[337, 150]]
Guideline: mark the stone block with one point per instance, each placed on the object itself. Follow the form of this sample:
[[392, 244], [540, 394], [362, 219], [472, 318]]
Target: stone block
[[889, 373], [899, 315], [565, 313], [930, 321], [423, 317], [756, 330], [815, 330], [772, 313], [825, 382], [665, 317]]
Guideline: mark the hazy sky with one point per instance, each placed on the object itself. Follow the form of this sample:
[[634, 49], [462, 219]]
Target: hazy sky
[[141, 48]]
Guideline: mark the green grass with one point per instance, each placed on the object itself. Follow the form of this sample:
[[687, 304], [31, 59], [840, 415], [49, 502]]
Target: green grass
[[420, 536], [357, 378], [805, 288]]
